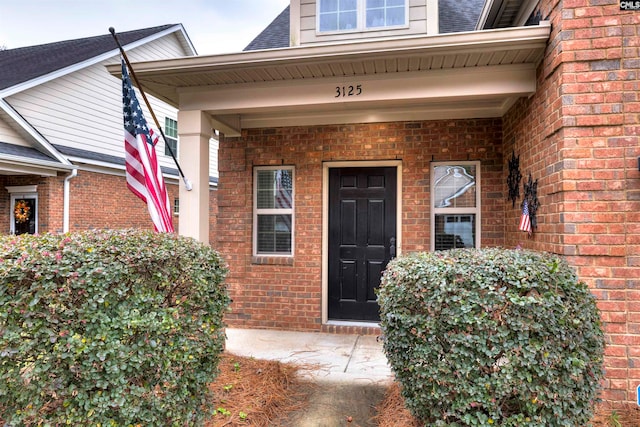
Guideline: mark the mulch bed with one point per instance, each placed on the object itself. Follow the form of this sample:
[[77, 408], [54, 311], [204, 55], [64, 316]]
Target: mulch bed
[[266, 391], [251, 392], [261, 393], [392, 413]]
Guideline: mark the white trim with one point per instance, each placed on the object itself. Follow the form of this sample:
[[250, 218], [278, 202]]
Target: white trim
[[275, 211], [25, 195], [325, 219], [477, 210], [22, 189], [361, 21]]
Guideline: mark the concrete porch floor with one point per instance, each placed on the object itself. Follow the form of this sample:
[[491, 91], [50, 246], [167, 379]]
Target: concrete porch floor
[[349, 374]]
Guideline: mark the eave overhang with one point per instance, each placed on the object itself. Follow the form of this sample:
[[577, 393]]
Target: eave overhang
[[459, 75]]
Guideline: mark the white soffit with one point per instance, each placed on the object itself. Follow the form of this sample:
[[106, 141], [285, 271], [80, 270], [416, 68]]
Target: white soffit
[[474, 74]]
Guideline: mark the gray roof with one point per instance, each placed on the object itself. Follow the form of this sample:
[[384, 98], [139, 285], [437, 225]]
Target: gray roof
[[26, 152], [275, 35], [454, 17], [26, 63], [114, 160]]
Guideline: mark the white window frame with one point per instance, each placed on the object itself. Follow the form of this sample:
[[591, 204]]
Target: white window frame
[[273, 211], [171, 138], [361, 24], [456, 211]]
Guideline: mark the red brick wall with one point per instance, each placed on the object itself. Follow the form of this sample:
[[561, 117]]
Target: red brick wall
[[97, 200], [579, 136], [288, 295]]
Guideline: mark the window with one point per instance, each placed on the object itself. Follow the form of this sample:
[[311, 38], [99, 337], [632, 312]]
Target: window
[[273, 211], [385, 13], [360, 15], [171, 135], [176, 206], [455, 213]]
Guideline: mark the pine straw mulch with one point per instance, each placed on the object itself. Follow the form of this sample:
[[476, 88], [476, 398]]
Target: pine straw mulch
[[257, 393], [392, 413], [261, 393]]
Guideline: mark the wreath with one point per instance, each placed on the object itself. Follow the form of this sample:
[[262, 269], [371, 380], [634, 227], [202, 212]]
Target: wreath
[[21, 211]]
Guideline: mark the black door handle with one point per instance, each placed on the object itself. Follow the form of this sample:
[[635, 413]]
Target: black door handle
[[392, 247]]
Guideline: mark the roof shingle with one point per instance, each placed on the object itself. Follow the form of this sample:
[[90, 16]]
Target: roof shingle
[[26, 63]]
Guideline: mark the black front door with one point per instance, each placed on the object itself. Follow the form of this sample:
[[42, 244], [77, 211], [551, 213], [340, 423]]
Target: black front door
[[362, 227]]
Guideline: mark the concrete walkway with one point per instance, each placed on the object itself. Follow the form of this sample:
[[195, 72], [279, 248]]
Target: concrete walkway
[[349, 373]]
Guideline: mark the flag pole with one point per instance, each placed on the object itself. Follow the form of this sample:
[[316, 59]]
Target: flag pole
[[187, 183]]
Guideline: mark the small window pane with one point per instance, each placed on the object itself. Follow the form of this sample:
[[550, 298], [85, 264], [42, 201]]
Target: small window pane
[[170, 127], [275, 189], [348, 20], [455, 231], [385, 13], [329, 22], [328, 6], [395, 16], [454, 186], [338, 15], [171, 146], [274, 234]]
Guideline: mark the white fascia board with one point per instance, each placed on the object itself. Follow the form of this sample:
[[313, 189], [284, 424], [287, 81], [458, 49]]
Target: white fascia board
[[471, 41], [377, 90], [25, 165]]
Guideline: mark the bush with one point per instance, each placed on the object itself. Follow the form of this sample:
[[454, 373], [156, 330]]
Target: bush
[[108, 328], [492, 337]]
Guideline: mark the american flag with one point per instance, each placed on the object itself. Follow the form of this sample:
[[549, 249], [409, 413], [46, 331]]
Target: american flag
[[525, 221], [144, 177]]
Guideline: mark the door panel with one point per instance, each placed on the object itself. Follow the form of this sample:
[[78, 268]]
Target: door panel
[[362, 222]]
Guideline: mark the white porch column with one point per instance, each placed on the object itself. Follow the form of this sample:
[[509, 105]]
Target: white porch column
[[194, 131]]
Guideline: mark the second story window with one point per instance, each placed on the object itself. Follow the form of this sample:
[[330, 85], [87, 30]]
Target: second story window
[[171, 134], [360, 15], [385, 13]]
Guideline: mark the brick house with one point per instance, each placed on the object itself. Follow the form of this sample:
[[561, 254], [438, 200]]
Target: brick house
[[61, 133], [351, 135]]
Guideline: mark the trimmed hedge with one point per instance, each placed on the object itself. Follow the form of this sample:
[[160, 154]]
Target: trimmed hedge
[[492, 337], [109, 328]]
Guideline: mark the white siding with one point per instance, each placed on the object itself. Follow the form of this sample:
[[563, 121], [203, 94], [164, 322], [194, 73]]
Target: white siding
[[419, 24], [83, 109], [9, 135]]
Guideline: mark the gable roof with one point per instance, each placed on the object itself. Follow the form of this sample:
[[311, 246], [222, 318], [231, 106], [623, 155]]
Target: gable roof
[[276, 34], [453, 17], [26, 67], [21, 65]]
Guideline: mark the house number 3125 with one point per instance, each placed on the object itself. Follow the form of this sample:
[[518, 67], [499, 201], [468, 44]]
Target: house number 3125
[[351, 90]]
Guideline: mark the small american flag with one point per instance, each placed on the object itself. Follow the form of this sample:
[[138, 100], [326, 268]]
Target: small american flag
[[144, 177], [525, 220]]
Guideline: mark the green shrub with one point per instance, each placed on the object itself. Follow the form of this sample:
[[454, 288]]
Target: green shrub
[[108, 328], [492, 337]]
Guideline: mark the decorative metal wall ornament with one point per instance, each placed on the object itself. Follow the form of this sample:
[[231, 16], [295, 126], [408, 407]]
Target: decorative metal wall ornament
[[531, 196], [513, 180]]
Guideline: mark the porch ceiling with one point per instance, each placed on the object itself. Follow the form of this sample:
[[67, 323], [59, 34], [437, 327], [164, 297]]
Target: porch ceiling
[[475, 74]]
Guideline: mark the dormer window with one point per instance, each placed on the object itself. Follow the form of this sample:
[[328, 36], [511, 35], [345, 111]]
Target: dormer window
[[361, 15]]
